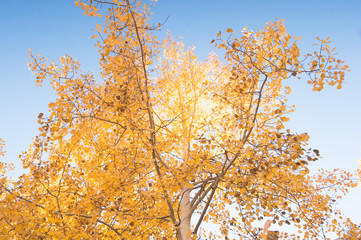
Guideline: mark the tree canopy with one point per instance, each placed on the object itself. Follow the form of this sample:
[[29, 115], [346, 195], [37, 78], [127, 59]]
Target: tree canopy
[[161, 144]]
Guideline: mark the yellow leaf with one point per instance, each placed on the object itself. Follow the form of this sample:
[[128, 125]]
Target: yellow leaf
[[284, 119], [188, 185]]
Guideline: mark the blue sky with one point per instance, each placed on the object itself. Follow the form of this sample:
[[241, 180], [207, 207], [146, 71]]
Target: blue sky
[[55, 28]]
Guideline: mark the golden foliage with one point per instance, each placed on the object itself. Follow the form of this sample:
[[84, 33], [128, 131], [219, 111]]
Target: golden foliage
[[161, 139]]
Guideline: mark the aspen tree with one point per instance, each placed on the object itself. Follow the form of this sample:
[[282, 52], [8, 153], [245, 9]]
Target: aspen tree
[[161, 144]]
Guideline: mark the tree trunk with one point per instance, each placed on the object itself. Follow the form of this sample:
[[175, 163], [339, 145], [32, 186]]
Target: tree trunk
[[185, 224]]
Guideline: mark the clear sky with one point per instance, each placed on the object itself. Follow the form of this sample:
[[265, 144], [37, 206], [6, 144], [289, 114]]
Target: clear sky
[[55, 28]]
